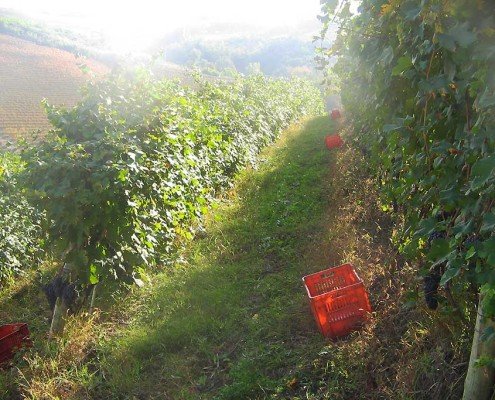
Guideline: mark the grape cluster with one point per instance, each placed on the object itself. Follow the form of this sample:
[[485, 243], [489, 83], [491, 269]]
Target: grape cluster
[[73, 295], [430, 288], [436, 235], [471, 240]]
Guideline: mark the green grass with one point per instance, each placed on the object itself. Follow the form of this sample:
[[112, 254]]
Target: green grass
[[232, 319]]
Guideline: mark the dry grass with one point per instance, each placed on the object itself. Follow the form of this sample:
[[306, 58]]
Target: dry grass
[[62, 373], [407, 351]]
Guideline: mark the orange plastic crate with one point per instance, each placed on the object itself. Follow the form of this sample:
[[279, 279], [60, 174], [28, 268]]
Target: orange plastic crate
[[333, 141], [339, 300]]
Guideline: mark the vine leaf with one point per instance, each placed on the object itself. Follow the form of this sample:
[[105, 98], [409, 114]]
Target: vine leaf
[[439, 250], [488, 222], [410, 11], [403, 64], [488, 250], [462, 35], [427, 226], [486, 100], [448, 275], [93, 275], [446, 41], [470, 253], [458, 35], [482, 171]]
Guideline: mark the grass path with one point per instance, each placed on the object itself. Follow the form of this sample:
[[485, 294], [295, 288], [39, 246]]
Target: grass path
[[234, 320]]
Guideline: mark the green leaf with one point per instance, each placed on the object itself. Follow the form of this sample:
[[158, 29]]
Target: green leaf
[[446, 41], [462, 35], [403, 64], [486, 100], [122, 175], [410, 11], [439, 250], [448, 275], [488, 250], [93, 275], [470, 253], [488, 223], [427, 226], [482, 171]]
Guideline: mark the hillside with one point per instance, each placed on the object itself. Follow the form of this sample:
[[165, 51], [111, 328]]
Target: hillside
[[215, 48], [275, 51], [30, 73]]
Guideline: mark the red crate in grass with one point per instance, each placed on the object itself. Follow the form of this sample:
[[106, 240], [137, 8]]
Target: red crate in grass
[[333, 141], [339, 300], [335, 114], [13, 337]]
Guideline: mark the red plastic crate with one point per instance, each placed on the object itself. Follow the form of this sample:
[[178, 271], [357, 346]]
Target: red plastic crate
[[339, 300], [335, 114], [13, 337], [333, 141]]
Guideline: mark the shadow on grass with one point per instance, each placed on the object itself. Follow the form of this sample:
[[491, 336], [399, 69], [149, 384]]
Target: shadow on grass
[[234, 317]]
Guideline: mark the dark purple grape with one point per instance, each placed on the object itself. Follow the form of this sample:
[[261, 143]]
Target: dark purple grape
[[436, 235], [430, 288], [471, 240]]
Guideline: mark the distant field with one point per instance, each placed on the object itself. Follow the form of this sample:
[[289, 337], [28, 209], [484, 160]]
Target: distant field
[[29, 73]]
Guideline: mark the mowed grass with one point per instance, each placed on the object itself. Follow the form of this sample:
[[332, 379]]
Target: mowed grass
[[231, 320]]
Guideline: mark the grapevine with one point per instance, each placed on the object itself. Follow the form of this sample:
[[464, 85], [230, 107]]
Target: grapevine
[[21, 236], [416, 83], [126, 173]]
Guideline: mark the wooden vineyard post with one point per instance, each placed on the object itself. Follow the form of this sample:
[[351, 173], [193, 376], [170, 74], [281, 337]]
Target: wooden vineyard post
[[58, 319], [480, 379], [92, 301], [60, 310]]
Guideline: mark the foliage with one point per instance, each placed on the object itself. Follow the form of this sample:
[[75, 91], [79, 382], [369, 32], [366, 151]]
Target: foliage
[[418, 84], [128, 170], [20, 235], [277, 56], [232, 320]]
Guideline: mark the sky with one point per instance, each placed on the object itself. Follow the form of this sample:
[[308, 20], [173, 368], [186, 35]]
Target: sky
[[130, 25]]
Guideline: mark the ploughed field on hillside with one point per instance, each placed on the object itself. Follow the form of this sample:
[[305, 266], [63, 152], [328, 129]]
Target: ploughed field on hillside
[[28, 74]]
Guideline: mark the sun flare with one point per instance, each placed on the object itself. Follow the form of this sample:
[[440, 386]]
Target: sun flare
[[131, 26]]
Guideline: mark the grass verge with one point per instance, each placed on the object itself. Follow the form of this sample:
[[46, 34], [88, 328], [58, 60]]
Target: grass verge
[[229, 321]]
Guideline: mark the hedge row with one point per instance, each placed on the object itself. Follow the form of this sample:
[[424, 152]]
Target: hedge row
[[20, 231], [126, 172], [418, 84]]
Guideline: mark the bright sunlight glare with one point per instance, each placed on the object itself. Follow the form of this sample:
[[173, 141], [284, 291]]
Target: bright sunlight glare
[[132, 25]]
